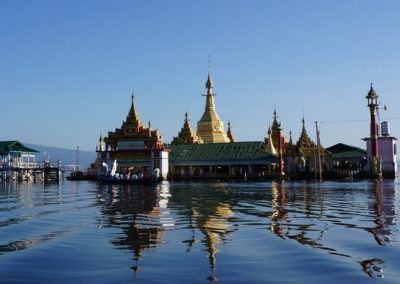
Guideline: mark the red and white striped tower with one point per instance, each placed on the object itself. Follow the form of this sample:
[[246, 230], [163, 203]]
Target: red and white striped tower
[[372, 98]]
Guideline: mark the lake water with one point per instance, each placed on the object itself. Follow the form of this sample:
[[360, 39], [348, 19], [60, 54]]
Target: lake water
[[272, 232]]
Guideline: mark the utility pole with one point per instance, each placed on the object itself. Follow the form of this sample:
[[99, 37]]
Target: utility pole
[[77, 157], [318, 152]]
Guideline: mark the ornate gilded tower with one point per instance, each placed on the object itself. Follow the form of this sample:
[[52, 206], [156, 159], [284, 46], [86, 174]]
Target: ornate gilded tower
[[210, 127], [186, 135]]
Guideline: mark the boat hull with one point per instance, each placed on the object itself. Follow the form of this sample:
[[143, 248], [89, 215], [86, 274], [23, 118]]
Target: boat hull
[[139, 181], [82, 176]]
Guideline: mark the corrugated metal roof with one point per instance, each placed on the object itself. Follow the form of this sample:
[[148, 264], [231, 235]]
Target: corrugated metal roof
[[219, 152], [340, 147], [342, 151]]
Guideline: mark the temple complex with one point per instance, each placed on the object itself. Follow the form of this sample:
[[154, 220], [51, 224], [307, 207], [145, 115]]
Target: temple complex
[[133, 147], [211, 153], [210, 128]]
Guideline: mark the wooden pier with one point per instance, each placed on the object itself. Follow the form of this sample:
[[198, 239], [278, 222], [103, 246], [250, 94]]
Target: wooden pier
[[31, 171]]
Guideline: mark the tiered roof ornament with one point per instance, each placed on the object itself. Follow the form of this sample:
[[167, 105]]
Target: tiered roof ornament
[[305, 145], [186, 135], [276, 130], [230, 134], [133, 129], [290, 148], [133, 122]]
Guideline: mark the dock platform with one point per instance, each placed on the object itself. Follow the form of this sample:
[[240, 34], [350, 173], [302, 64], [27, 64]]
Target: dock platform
[[32, 171]]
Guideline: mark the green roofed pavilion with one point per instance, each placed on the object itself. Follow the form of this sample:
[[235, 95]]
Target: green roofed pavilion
[[219, 160], [14, 147], [342, 151], [347, 160]]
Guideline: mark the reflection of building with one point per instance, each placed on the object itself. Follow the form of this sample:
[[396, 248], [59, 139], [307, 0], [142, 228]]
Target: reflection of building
[[211, 217], [136, 211], [278, 204], [134, 147], [385, 212]]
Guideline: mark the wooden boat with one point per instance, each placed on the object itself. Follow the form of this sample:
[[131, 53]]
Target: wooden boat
[[150, 180], [79, 175]]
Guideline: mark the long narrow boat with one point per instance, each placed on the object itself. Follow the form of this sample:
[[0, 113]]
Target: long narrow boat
[[144, 181], [79, 175]]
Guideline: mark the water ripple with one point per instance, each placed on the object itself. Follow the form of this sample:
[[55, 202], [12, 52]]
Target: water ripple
[[232, 232]]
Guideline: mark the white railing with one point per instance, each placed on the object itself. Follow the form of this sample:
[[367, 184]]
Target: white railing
[[30, 165]]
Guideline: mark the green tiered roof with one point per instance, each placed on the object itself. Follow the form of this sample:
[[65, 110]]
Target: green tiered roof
[[220, 152]]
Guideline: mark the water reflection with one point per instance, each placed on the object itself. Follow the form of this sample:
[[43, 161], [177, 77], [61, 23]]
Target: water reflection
[[384, 209], [137, 210], [210, 213], [279, 212], [333, 218], [308, 221], [21, 205]]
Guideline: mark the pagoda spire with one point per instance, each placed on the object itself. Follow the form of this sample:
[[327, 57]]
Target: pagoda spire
[[132, 123], [210, 128], [133, 115], [210, 95]]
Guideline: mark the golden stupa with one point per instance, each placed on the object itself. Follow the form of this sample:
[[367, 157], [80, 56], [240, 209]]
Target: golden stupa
[[210, 128]]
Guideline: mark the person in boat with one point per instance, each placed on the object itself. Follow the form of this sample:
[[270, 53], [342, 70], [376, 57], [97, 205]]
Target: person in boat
[[156, 172]]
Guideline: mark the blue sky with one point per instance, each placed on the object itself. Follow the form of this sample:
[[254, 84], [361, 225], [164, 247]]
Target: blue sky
[[68, 68]]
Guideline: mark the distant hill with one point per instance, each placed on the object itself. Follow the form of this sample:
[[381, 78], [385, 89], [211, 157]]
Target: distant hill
[[66, 156]]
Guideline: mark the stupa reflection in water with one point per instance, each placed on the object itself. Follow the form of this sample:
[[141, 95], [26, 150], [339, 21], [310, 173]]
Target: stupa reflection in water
[[309, 214]]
